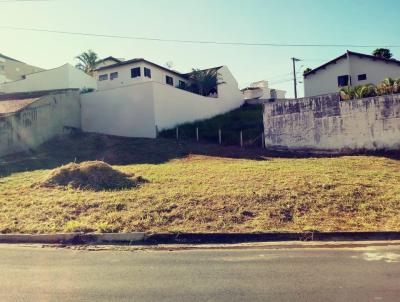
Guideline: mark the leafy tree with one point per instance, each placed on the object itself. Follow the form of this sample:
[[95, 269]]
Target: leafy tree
[[205, 82], [382, 53], [307, 70], [87, 61]]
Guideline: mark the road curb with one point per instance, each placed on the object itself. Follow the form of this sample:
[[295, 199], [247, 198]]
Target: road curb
[[193, 238]]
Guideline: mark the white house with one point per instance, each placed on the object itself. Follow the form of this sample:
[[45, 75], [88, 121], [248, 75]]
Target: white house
[[63, 77], [260, 90], [135, 98], [349, 69]]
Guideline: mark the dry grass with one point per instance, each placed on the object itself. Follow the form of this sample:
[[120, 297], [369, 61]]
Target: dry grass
[[197, 193], [90, 175]]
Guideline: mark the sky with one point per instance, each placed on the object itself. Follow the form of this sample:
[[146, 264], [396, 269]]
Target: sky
[[360, 22]]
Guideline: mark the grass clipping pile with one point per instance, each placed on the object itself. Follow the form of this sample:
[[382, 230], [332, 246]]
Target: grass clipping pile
[[91, 175]]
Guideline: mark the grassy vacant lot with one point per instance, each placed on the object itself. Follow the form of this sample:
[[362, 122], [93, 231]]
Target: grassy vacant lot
[[195, 188]]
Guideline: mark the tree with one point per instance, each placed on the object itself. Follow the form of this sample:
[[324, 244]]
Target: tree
[[382, 53], [307, 70], [205, 82], [87, 61]]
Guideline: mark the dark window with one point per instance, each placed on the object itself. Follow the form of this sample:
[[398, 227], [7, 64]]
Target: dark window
[[135, 72], [103, 77], [343, 80], [182, 84], [113, 75], [362, 77], [147, 72], [169, 80]]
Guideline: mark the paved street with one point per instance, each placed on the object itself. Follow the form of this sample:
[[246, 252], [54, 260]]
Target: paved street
[[47, 274]]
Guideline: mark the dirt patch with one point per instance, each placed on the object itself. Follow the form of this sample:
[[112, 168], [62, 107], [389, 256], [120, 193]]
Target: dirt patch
[[91, 175]]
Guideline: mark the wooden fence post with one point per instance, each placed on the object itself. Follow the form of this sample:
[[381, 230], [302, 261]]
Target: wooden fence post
[[220, 136], [241, 139]]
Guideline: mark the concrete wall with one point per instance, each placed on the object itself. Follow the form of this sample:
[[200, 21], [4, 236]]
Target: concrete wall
[[63, 77], [40, 121], [135, 110], [124, 76], [326, 123], [124, 111], [175, 106]]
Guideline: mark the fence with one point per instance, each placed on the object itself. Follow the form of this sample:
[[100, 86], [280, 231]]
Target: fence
[[242, 138]]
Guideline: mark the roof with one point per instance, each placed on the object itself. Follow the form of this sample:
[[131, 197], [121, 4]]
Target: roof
[[110, 58], [139, 60], [12, 106], [352, 53], [8, 58]]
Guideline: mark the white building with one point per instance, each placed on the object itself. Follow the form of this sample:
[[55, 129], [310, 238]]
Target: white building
[[349, 69], [135, 98], [12, 69], [63, 77], [260, 90]]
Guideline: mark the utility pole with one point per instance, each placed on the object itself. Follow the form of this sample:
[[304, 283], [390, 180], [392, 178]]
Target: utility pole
[[294, 76]]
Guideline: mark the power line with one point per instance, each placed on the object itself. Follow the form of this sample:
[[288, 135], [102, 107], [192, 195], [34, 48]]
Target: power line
[[187, 41]]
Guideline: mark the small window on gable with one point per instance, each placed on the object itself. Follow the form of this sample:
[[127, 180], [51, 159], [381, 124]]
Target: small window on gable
[[103, 77], [169, 80], [362, 77], [113, 75], [147, 72], [343, 80], [135, 72]]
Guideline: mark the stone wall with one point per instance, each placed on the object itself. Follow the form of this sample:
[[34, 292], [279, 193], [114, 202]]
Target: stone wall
[[328, 124], [47, 117]]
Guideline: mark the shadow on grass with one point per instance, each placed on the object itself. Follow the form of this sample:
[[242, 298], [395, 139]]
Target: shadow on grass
[[124, 151]]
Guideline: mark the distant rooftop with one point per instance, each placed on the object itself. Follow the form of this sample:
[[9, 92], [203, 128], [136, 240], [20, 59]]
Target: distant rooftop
[[8, 58], [12, 106]]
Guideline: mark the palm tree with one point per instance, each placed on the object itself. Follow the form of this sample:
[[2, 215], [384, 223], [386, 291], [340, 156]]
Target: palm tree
[[386, 86], [87, 61], [205, 82], [365, 91], [382, 53]]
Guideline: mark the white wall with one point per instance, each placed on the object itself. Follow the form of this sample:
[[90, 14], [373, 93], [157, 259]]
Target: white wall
[[135, 110], [376, 71], [326, 80], [175, 106], [62, 77], [124, 111], [124, 76]]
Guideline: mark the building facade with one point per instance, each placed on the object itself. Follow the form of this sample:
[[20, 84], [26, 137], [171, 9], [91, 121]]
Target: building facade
[[261, 90], [63, 77], [350, 69], [13, 70]]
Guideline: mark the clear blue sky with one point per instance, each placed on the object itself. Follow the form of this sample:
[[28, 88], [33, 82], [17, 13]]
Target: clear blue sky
[[269, 21]]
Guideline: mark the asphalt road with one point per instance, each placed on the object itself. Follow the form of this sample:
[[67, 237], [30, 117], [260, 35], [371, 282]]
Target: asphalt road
[[47, 274]]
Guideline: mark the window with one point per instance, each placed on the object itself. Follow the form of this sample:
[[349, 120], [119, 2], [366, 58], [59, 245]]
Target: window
[[147, 72], [103, 77], [343, 80], [182, 84], [135, 72], [362, 77], [113, 75], [169, 80]]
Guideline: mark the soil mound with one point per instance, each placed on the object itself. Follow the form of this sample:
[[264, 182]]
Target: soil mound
[[91, 175]]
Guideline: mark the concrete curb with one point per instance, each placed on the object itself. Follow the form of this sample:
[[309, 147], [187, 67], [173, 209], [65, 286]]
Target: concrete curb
[[193, 238]]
